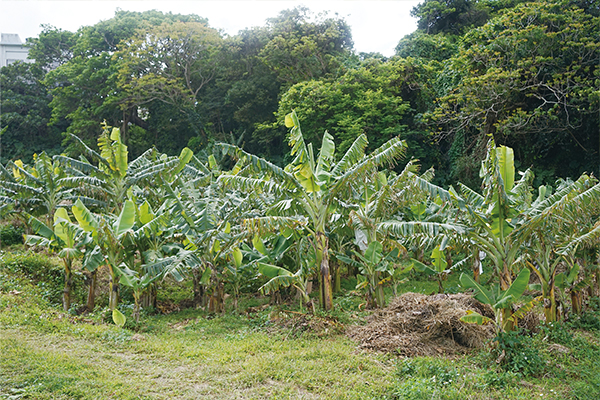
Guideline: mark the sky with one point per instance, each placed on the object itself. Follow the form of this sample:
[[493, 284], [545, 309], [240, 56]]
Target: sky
[[377, 25]]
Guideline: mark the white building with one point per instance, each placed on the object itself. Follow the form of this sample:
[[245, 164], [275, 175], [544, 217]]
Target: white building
[[11, 49]]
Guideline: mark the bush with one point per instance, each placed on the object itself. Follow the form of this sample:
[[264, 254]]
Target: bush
[[43, 271], [11, 235], [518, 353]]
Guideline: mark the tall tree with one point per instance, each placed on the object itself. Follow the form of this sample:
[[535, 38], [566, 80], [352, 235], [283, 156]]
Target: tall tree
[[172, 63], [25, 113], [527, 78]]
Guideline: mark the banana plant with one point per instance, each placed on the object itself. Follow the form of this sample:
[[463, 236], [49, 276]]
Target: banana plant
[[376, 269], [204, 213], [106, 178], [138, 284], [439, 266], [559, 223], [108, 233], [36, 190], [499, 300], [492, 221], [150, 255], [265, 259], [311, 188], [68, 238]]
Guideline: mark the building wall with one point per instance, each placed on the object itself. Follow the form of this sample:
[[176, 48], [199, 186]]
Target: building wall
[[11, 49]]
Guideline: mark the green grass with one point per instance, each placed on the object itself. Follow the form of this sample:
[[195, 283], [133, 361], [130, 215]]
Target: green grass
[[48, 354]]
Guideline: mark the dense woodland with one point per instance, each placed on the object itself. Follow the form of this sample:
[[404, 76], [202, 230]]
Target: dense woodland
[[524, 73]]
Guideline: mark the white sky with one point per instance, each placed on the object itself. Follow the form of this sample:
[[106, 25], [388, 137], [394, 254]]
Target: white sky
[[377, 25]]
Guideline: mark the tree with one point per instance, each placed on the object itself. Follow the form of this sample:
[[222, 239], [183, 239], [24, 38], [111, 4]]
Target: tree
[[311, 187], [52, 47], [108, 232], [84, 87], [379, 99], [454, 16], [301, 50], [67, 237], [171, 63], [25, 114], [556, 227], [509, 83]]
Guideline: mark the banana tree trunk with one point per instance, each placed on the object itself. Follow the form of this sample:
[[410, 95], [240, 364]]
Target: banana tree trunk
[[576, 301], [506, 313], [148, 297], [476, 265], [549, 302], [91, 299], [322, 258], [113, 295], [67, 287], [199, 290], [549, 295], [337, 284], [137, 307], [379, 295]]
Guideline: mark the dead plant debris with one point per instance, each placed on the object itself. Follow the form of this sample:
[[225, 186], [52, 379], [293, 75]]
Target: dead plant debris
[[420, 325], [296, 323]]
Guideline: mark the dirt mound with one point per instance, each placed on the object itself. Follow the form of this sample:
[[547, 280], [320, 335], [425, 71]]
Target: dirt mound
[[419, 325]]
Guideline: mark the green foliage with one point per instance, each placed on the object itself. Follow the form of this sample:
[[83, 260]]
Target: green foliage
[[25, 114], [518, 353], [11, 234], [422, 46], [509, 84], [378, 99]]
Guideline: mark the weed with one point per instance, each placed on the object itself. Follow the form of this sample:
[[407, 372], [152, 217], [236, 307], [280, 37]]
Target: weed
[[11, 235], [557, 332], [518, 353]]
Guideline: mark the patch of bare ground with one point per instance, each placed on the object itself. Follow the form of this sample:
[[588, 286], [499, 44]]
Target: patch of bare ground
[[420, 325]]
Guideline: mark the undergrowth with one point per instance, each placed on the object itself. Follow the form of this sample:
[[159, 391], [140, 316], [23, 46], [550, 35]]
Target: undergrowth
[[260, 351]]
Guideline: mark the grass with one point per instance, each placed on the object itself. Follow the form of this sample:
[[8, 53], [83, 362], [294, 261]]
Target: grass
[[48, 354]]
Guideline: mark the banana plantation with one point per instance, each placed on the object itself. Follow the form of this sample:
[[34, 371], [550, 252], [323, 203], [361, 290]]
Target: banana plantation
[[223, 219], [229, 225]]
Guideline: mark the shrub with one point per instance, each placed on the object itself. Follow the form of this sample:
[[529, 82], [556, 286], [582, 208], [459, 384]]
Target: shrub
[[518, 353], [11, 235]]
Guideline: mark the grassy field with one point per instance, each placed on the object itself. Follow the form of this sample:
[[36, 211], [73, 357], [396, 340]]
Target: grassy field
[[48, 354]]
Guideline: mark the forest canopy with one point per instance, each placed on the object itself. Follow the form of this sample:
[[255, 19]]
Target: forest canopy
[[523, 73]]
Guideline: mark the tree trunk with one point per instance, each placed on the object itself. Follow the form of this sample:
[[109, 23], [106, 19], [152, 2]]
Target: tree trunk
[[576, 301], [136, 308], [476, 266], [113, 296], [148, 298], [199, 291], [67, 288], [337, 279], [377, 291], [322, 258], [549, 303], [91, 299], [440, 285], [505, 282]]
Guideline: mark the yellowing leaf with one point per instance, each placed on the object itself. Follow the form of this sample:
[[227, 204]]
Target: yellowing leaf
[[118, 318], [289, 123], [238, 257]]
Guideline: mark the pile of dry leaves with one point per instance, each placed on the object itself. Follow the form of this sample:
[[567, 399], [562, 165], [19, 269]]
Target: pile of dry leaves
[[420, 325]]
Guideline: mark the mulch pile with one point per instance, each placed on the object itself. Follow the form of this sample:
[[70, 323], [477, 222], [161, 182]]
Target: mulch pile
[[420, 325]]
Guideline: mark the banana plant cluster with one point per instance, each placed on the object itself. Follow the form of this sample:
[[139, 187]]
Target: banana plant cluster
[[187, 217]]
